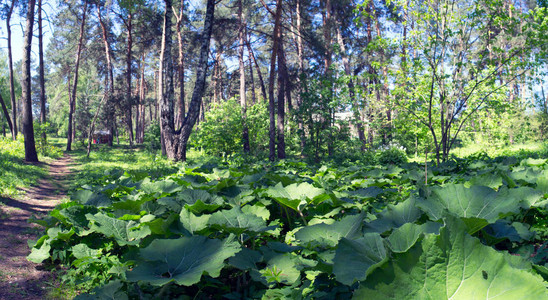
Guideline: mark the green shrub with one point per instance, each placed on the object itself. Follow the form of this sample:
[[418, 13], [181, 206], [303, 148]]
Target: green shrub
[[221, 132], [392, 155]]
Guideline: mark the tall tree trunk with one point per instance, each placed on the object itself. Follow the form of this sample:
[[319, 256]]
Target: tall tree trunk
[[176, 141], [141, 133], [252, 80], [327, 22], [72, 100], [28, 129], [6, 115], [181, 99], [271, 101], [300, 58], [41, 71], [243, 103], [138, 104], [259, 74], [353, 100], [92, 126], [10, 63], [282, 81], [110, 73], [217, 92], [194, 106], [129, 26]]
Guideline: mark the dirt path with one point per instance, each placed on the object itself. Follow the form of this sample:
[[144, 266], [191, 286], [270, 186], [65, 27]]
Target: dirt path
[[19, 278]]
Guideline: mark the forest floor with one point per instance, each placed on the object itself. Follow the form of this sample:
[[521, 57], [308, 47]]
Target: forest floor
[[20, 278]]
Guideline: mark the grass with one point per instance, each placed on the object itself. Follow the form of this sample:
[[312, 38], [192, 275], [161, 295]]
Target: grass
[[14, 173], [106, 161]]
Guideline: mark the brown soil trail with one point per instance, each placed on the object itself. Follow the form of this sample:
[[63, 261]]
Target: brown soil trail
[[19, 278]]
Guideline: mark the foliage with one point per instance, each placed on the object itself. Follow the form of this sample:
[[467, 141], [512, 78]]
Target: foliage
[[152, 137], [292, 230], [392, 154], [13, 173], [221, 132]]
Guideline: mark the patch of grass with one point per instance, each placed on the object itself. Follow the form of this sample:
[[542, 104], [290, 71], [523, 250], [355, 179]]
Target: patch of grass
[[106, 161], [14, 172]]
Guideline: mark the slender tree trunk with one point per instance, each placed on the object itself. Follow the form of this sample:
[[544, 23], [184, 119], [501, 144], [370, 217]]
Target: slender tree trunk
[[181, 99], [348, 72], [301, 71], [259, 74], [271, 101], [41, 71], [129, 25], [138, 106], [72, 104], [243, 103], [112, 109], [92, 127], [252, 80], [28, 129], [10, 63], [217, 92], [141, 133], [282, 80], [328, 74], [6, 115]]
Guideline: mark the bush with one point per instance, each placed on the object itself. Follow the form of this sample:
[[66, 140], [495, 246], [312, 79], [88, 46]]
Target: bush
[[392, 155], [221, 132], [152, 137]]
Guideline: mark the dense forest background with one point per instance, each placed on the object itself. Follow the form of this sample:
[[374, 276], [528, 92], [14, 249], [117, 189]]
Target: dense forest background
[[299, 78]]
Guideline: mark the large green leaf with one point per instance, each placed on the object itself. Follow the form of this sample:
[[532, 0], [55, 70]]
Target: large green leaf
[[296, 195], [199, 201], [161, 187], [452, 265], [182, 260], [355, 259], [475, 202], [237, 222], [406, 236], [87, 197], [395, 216], [191, 222], [328, 235], [125, 232]]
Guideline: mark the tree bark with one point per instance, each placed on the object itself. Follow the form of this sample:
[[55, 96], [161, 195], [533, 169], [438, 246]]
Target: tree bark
[[243, 103], [28, 129], [282, 80], [300, 58], [10, 63], [176, 141], [6, 114], [348, 72], [129, 26], [259, 74], [181, 98], [271, 101], [41, 71], [112, 110], [72, 100]]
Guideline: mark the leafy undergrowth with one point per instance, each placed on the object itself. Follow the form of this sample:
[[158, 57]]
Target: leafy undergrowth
[[477, 229], [16, 174]]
